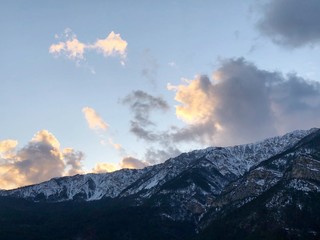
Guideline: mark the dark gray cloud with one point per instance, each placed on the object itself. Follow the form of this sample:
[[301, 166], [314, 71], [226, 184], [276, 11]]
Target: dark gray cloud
[[141, 105], [154, 156], [242, 103], [292, 23], [73, 159]]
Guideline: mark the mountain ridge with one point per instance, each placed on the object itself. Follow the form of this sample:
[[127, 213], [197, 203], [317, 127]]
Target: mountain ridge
[[200, 189]]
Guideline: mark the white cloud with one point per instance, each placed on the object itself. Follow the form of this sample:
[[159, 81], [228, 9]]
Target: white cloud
[[94, 120], [73, 49], [112, 45]]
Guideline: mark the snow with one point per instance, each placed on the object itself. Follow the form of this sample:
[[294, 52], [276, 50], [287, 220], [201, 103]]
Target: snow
[[231, 162], [303, 185], [260, 182]]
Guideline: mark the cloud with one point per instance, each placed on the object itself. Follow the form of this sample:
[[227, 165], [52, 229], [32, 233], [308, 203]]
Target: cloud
[[291, 23], [154, 156], [105, 167], [73, 159], [73, 49], [244, 104], [112, 45], [40, 160], [126, 162], [192, 96], [132, 163], [141, 105], [116, 146], [7, 148], [94, 120]]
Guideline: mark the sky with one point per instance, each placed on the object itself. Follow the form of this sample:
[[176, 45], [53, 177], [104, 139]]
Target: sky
[[96, 86]]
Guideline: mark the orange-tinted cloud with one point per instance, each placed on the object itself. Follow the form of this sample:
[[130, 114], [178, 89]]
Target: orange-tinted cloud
[[93, 119], [73, 49], [112, 45], [127, 162], [40, 160], [132, 163], [105, 167], [7, 147]]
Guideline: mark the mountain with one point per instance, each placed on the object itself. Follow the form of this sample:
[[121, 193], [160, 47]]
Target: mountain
[[261, 190]]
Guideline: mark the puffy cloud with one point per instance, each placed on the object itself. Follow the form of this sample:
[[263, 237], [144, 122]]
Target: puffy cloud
[[40, 160], [105, 167], [244, 104], [112, 45], [93, 119], [193, 96], [7, 147], [132, 163], [44, 136], [154, 156], [72, 48], [73, 159], [292, 23], [127, 162]]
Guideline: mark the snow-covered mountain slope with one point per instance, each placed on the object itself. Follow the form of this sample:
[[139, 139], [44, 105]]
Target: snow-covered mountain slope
[[79, 187], [254, 190], [295, 169], [200, 173], [230, 162]]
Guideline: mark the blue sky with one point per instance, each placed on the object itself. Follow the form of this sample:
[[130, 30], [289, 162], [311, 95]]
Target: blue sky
[[189, 74]]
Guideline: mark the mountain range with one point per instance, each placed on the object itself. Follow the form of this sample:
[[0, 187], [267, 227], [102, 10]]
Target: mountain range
[[264, 190]]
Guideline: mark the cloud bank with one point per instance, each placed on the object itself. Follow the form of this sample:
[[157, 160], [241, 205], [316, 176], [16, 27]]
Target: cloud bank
[[73, 49], [291, 23], [41, 159]]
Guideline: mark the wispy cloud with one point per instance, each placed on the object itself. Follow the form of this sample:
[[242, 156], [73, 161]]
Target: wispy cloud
[[73, 49], [141, 105], [94, 121], [150, 67]]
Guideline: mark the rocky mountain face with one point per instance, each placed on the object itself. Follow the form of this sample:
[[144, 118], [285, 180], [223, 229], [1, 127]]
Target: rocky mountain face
[[217, 193]]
